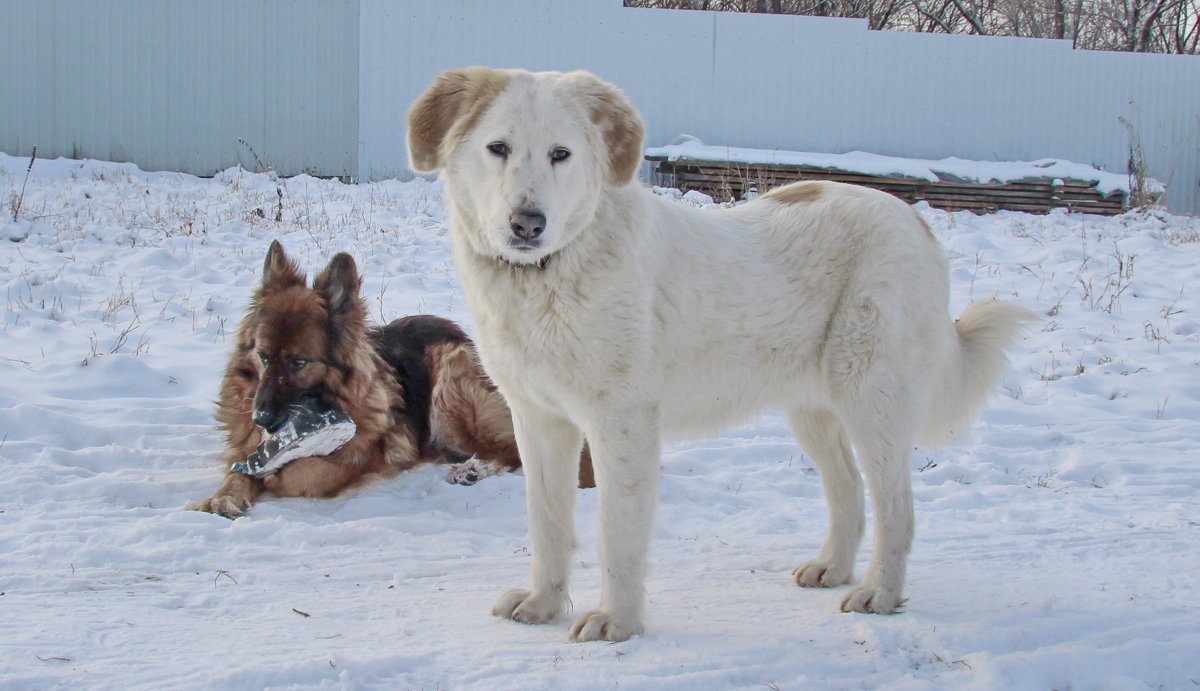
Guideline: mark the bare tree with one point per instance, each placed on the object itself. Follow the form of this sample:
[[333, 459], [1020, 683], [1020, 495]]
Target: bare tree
[[1135, 23], [1163, 26], [1181, 30]]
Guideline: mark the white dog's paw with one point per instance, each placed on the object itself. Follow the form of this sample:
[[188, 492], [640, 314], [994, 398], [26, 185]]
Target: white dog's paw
[[520, 605], [601, 626], [873, 599], [819, 573]]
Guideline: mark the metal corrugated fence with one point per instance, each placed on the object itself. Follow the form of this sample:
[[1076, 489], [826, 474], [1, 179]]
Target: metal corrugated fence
[[321, 86], [174, 85]]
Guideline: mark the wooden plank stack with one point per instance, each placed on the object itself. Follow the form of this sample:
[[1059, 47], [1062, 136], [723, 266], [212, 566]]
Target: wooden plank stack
[[725, 181]]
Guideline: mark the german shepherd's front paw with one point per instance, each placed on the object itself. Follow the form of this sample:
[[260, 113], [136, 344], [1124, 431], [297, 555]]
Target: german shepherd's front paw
[[233, 499], [221, 504], [598, 625]]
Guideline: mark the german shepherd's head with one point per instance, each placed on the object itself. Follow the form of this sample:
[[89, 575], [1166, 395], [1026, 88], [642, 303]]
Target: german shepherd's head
[[306, 341]]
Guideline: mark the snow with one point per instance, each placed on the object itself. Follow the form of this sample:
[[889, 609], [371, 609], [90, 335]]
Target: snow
[[1058, 545], [953, 169]]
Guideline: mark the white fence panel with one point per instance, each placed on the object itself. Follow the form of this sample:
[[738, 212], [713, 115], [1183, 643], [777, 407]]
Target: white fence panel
[[174, 85]]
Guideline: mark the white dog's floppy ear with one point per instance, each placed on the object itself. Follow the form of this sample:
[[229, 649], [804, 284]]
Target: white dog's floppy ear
[[448, 109], [620, 122]]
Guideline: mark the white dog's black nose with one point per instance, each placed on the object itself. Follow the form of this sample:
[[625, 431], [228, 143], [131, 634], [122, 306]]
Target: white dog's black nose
[[527, 225]]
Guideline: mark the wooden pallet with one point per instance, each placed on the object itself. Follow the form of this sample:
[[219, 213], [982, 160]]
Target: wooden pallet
[[724, 181]]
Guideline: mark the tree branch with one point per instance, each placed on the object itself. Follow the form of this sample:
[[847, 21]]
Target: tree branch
[[932, 17], [970, 17]]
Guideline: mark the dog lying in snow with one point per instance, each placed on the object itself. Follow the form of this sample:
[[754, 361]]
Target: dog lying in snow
[[413, 388]]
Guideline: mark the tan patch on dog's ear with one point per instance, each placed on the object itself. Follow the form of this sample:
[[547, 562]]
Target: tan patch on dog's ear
[[796, 193], [279, 271], [620, 123], [449, 108]]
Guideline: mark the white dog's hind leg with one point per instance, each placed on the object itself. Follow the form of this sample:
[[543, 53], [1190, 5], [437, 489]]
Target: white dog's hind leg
[[550, 448], [884, 444], [627, 467], [823, 438]]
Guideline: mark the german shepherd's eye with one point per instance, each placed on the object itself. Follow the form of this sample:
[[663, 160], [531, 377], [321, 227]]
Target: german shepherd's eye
[[559, 155], [296, 364], [499, 149], [262, 357]]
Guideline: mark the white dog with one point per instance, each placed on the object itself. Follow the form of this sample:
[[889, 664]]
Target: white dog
[[604, 311]]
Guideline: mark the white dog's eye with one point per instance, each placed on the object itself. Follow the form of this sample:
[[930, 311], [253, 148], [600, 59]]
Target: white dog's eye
[[559, 154], [499, 149]]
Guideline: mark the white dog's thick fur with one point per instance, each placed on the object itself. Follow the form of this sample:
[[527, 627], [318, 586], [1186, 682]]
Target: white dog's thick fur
[[606, 312]]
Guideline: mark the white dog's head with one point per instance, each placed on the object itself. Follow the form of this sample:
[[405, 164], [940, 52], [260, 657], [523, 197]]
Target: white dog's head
[[526, 155]]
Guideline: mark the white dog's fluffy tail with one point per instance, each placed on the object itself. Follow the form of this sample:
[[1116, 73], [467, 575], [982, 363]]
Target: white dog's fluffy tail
[[974, 365]]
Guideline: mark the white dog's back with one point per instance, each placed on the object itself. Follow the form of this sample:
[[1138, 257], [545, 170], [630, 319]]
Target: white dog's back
[[748, 297]]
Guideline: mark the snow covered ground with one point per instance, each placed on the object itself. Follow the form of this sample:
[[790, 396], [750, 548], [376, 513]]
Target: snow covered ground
[[1057, 547]]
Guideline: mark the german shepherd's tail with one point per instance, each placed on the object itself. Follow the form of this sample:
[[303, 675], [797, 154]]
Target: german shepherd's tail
[[974, 365]]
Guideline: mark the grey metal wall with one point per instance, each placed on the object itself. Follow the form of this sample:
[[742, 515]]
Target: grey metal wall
[[323, 85], [800, 83], [174, 84]]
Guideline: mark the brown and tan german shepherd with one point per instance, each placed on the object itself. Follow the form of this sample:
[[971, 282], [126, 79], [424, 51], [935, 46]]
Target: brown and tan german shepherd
[[414, 388]]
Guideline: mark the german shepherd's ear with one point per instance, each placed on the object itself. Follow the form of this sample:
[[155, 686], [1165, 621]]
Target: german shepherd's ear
[[279, 271], [449, 108], [338, 285], [623, 131]]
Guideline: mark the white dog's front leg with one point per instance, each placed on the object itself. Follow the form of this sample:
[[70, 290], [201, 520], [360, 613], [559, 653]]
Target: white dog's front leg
[[626, 466], [550, 448]]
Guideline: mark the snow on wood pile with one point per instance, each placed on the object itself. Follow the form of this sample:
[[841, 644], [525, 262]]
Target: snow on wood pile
[[726, 173]]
